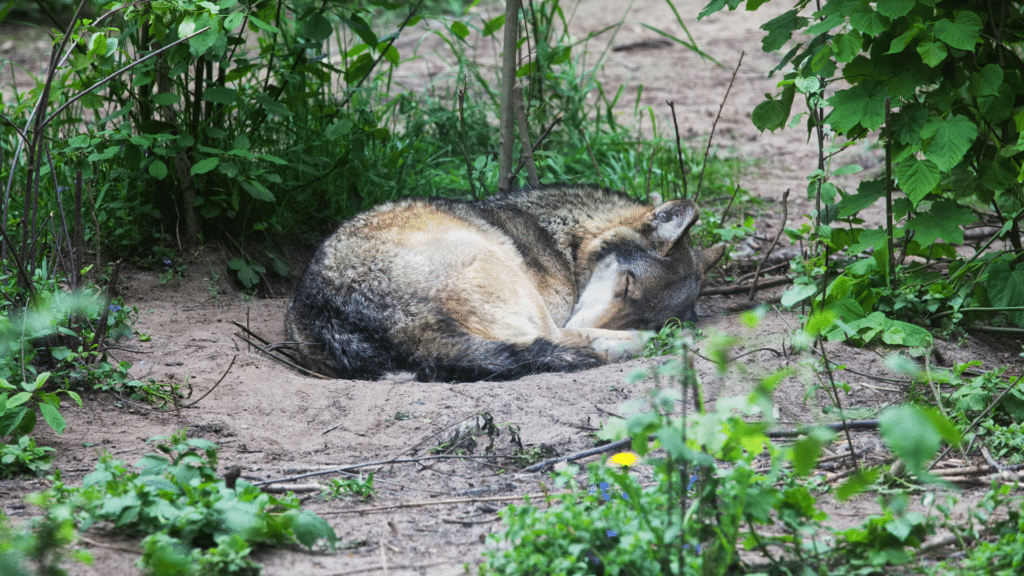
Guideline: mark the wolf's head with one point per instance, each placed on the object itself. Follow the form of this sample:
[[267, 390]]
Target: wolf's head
[[641, 275]]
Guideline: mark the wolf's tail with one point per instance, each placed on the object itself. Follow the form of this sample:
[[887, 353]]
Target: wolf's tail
[[477, 358]]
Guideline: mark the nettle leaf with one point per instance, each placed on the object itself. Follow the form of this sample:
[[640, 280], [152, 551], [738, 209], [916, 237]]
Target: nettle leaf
[[857, 105], [894, 8], [943, 220], [961, 33], [933, 53], [946, 141], [780, 30], [917, 178], [868, 21], [1006, 288]]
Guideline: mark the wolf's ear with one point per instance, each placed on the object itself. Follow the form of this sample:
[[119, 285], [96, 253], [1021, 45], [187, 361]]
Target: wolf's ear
[[668, 223], [709, 257]]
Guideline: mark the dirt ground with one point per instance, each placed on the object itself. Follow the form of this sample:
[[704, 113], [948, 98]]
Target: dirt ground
[[275, 423]]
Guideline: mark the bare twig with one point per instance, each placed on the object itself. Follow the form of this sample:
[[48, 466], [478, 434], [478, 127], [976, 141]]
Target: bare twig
[[707, 150], [524, 134], [737, 289], [233, 358], [782, 226], [679, 149]]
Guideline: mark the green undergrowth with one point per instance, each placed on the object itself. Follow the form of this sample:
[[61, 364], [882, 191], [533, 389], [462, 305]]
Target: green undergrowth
[[191, 520]]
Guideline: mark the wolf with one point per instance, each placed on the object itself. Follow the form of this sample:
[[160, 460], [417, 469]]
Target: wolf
[[556, 278]]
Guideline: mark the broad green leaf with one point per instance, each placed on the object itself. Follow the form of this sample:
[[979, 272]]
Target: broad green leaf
[[1005, 287], [901, 41], [166, 98], [874, 239], [205, 165], [53, 417], [309, 528], [961, 33], [946, 141], [272, 106], [894, 8], [832, 19], [807, 85], [460, 30], [316, 28], [857, 105], [987, 81], [933, 53], [257, 190], [361, 28], [868, 21], [257, 23], [917, 178], [798, 292], [200, 44], [780, 29], [493, 25], [868, 192], [772, 113], [998, 107], [158, 169], [944, 220], [220, 94], [846, 46], [186, 27], [908, 122], [233, 20], [909, 432]]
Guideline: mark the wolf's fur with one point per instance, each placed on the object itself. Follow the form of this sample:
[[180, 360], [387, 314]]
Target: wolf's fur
[[552, 279]]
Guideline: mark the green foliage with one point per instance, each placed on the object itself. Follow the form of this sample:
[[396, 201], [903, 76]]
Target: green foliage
[[361, 488], [24, 457], [194, 522], [952, 75]]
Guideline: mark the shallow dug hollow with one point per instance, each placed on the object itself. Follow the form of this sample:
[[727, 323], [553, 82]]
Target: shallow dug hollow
[[275, 423]]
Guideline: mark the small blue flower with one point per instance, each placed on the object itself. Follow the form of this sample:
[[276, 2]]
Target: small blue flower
[[114, 307]]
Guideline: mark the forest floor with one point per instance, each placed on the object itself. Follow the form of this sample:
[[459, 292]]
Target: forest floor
[[430, 517]]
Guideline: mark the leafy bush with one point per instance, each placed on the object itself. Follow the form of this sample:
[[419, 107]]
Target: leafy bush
[[195, 523]]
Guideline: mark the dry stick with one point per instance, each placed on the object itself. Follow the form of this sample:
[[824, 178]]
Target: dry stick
[[543, 136], [63, 219], [413, 567], [770, 283], [265, 342], [101, 329], [768, 270], [465, 154], [524, 134], [782, 226], [76, 258], [267, 350], [835, 393], [224, 375], [679, 148], [707, 150]]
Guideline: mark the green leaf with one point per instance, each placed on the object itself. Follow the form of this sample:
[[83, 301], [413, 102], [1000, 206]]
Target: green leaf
[[166, 98], [773, 113], [272, 106], [961, 33], [901, 41], [257, 23], [807, 85], [933, 53], [309, 528], [493, 25], [946, 141], [220, 94], [53, 417], [857, 105], [257, 190], [846, 46], [868, 192], [187, 26], [917, 178], [868, 21], [460, 30], [205, 165], [317, 28], [987, 81], [158, 169], [998, 107], [908, 122], [798, 292], [780, 29], [233, 20], [894, 8], [1005, 287], [943, 220]]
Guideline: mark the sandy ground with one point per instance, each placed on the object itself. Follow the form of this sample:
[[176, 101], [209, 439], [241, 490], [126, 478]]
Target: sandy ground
[[275, 423]]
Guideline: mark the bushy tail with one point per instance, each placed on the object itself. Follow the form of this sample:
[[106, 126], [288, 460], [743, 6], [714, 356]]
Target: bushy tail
[[484, 359]]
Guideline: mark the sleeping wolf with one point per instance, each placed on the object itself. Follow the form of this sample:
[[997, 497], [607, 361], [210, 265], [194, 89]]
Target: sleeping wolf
[[552, 279]]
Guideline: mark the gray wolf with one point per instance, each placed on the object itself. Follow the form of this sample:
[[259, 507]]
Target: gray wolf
[[552, 279]]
